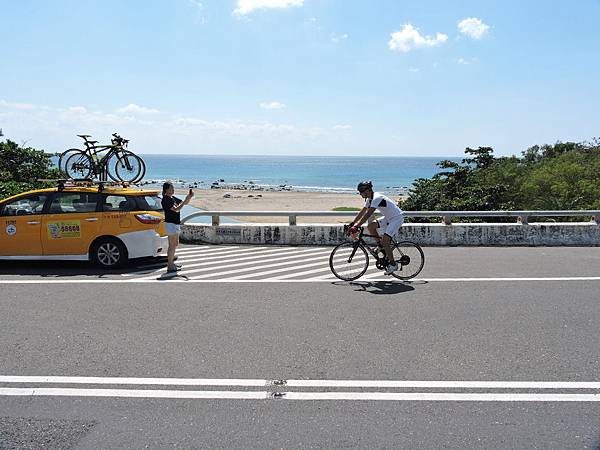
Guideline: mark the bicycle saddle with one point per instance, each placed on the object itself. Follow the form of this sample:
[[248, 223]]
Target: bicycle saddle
[[83, 136]]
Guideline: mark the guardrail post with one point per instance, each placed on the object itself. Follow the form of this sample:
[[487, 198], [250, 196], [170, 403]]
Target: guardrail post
[[522, 220], [447, 220], [292, 220], [215, 220]]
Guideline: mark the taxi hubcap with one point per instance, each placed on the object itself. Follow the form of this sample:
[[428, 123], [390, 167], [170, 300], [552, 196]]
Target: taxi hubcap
[[108, 254]]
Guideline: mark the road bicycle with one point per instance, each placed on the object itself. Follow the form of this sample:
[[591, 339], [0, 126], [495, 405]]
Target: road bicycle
[[117, 163], [350, 260]]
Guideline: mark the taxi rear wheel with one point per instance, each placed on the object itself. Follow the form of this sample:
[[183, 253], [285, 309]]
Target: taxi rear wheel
[[108, 253]]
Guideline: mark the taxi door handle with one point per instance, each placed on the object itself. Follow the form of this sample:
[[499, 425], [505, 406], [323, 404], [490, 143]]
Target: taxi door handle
[[91, 219], [33, 222]]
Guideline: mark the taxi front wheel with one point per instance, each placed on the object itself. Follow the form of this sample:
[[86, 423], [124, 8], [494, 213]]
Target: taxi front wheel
[[108, 253]]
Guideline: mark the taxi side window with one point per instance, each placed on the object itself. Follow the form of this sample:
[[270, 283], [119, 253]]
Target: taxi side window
[[24, 206], [117, 203], [73, 202]]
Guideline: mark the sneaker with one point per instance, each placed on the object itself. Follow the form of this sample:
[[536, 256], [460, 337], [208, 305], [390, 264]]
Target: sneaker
[[178, 266], [391, 268]]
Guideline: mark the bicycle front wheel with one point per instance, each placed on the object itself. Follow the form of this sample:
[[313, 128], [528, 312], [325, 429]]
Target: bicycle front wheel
[[410, 259], [79, 166], [128, 167], [349, 261]]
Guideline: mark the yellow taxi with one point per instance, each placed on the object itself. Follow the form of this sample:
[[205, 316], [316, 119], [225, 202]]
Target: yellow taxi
[[107, 225]]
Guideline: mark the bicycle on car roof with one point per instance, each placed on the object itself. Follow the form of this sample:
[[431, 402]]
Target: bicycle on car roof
[[117, 163]]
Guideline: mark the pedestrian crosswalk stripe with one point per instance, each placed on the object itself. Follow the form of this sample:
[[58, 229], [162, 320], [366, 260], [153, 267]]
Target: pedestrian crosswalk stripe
[[254, 263], [222, 254], [265, 253], [325, 269], [280, 270], [273, 263]]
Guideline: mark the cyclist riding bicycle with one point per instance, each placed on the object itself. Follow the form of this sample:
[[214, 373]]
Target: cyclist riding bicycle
[[393, 218]]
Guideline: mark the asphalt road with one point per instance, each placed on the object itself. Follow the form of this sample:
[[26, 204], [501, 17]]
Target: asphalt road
[[514, 328]]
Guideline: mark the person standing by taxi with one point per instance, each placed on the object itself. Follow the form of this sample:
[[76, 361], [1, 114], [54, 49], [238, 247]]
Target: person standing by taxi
[[172, 207]]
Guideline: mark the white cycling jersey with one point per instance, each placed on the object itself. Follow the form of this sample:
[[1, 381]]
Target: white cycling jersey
[[385, 205]]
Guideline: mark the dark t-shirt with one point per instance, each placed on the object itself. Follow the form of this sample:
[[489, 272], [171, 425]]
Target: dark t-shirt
[[170, 215]]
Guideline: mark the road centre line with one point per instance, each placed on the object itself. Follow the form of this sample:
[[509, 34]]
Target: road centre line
[[264, 395], [309, 280], [301, 383], [134, 393], [134, 381], [274, 262], [442, 396]]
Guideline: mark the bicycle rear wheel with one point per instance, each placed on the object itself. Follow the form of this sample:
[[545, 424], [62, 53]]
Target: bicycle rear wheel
[[79, 166], [128, 167], [410, 259], [349, 261], [64, 156]]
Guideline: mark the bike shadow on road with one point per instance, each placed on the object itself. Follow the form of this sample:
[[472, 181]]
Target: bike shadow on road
[[379, 287]]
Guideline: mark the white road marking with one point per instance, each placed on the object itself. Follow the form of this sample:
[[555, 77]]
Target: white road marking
[[436, 397], [283, 269], [133, 393], [215, 255], [302, 383], [277, 261], [248, 260], [309, 280], [449, 384], [135, 380]]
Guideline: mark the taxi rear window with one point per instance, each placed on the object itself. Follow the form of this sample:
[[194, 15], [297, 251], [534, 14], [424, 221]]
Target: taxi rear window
[[147, 202]]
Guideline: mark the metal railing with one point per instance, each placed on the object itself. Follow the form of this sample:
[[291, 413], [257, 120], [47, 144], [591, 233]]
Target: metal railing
[[446, 216]]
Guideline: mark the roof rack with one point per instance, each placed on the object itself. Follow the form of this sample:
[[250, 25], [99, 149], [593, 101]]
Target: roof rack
[[62, 183]]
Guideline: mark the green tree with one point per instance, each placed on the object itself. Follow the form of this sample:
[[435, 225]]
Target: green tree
[[565, 175], [21, 167]]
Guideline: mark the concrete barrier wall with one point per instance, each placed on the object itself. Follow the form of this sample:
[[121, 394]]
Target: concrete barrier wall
[[458, 234]]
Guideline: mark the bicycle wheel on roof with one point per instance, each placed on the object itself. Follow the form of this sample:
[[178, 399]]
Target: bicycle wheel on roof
[[79, 166], [127, 167]]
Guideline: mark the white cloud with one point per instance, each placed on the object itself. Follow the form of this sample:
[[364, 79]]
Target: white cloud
[[247, 6], [336, 39], [473, 27], [22, 106], [272, 105], [55, 128], [132, 108], [77, 109], [462, 61], [409, 38], [342, 127]]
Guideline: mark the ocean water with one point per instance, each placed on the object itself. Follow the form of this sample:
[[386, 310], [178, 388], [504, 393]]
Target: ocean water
[[300, 173]]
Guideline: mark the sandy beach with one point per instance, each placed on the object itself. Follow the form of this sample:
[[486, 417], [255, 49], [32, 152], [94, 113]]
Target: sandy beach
[[252, 200]]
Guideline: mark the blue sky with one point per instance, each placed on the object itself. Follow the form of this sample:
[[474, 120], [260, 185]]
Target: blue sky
[[301, 76]]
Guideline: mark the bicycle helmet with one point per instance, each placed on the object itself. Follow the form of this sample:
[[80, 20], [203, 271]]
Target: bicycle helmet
[[364, 185]]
